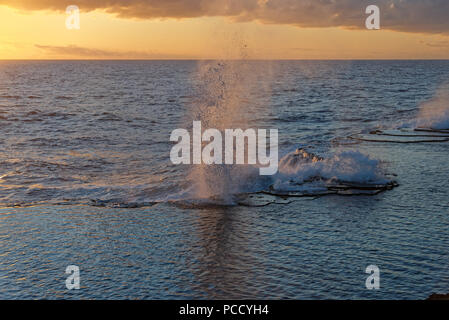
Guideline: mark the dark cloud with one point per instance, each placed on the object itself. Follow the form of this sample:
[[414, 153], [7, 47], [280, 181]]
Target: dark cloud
[[427, 16], [76, 51]]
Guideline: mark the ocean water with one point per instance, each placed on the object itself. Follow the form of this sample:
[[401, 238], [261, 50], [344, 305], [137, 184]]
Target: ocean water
[[86, 180]]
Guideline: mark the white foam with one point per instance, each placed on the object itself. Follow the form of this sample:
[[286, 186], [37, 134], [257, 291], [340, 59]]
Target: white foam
[[434, 114], [300, 168]]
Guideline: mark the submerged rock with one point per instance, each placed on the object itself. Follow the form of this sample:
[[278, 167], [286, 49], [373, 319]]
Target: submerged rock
[[418, 135], [304, 174]]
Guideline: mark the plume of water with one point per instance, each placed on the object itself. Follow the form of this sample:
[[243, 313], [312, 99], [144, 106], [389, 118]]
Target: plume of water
[[434, 114], [228, 97]]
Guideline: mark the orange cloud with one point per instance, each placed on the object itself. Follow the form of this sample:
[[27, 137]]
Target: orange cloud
[[92, 53], [426, 16]]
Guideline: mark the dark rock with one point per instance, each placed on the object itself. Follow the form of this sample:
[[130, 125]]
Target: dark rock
[[437, 296]]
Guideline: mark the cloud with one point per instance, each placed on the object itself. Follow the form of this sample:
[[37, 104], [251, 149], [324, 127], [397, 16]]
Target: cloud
[[426, 16], [83, 52], [301, 49], [437, 44]]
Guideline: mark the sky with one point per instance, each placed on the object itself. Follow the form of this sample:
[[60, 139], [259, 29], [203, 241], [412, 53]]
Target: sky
[[224, 29]]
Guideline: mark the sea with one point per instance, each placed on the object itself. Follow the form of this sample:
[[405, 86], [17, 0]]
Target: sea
[[86, 180]]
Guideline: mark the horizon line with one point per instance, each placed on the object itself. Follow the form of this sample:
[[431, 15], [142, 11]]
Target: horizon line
[[228, 59]]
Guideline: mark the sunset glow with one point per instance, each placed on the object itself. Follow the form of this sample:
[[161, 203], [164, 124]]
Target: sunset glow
[[41, 34]]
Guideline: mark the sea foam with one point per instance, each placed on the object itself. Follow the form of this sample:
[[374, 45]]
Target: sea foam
[[434, 114], [301, 167]]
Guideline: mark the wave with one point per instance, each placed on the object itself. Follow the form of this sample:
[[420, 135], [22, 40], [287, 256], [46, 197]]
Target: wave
[[301, 174], [434, 114], [346, 172], [431, 125]]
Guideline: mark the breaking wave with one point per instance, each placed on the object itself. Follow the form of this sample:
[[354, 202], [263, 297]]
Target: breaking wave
[[303, 174], [434, 114], [431, 124]]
